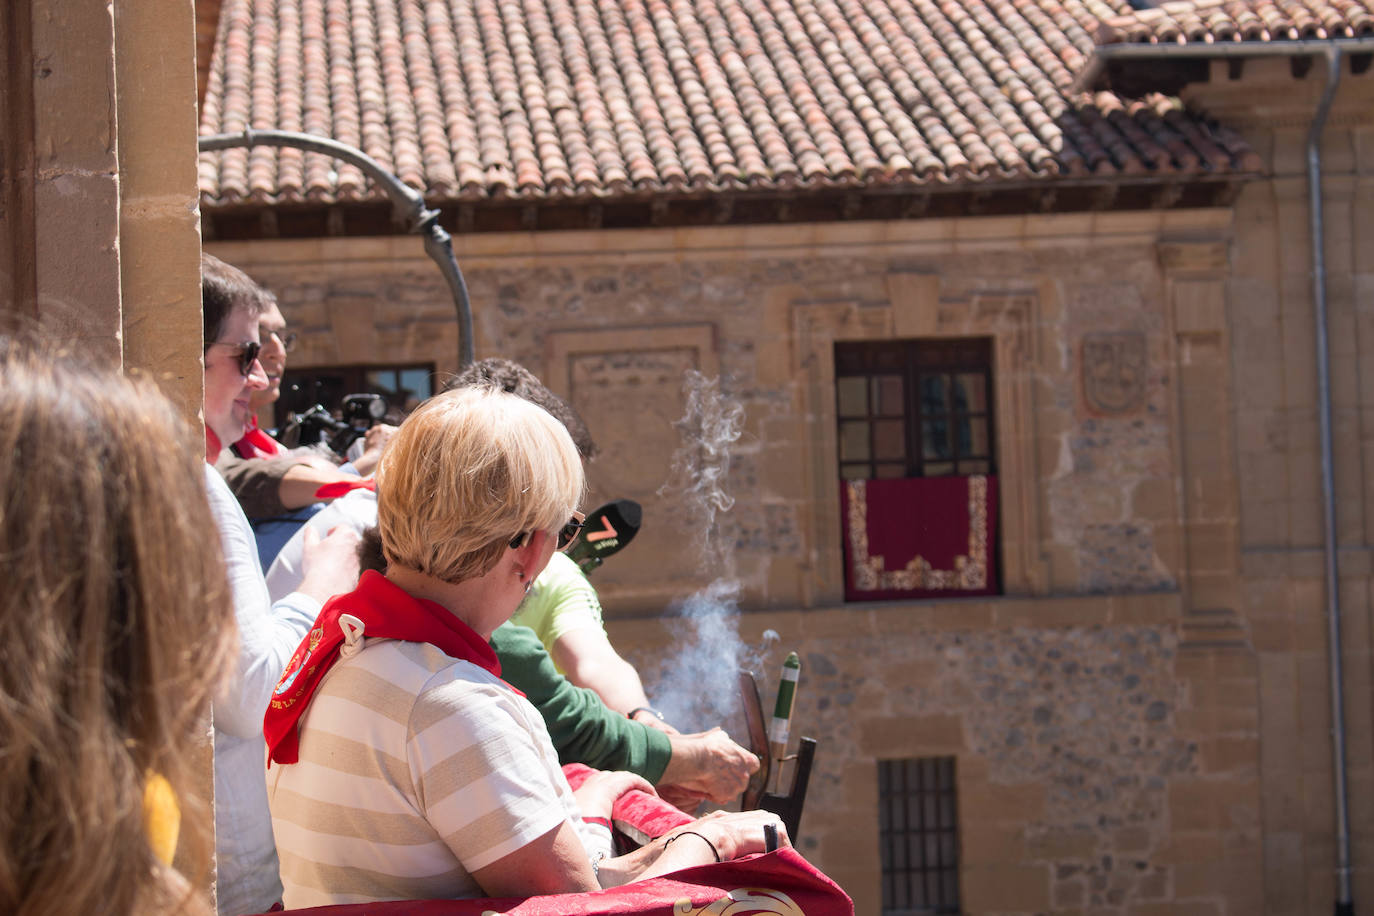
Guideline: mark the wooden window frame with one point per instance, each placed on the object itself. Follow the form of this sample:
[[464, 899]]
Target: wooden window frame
[[914, 361]]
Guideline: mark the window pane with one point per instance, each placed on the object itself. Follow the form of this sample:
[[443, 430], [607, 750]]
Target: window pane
[[934, 394], [887, 391], [851, 396], [889, 439], [854, 441], [415, 387], [935, 439], [949, 888], [974, 436], [973, 467], [382, 381], [854, 472], [890, 471], [941, 469], [963, 435], [970, 392]]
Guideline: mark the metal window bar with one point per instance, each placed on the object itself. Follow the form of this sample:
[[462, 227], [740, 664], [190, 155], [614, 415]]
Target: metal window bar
[[918, 836]]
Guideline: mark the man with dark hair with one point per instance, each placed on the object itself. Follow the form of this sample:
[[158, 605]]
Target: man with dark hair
[[268, 632], [276, 487], [510, 376]]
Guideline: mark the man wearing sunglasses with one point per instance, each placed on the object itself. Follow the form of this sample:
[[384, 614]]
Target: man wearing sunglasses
[[268, 632], [278, 487]]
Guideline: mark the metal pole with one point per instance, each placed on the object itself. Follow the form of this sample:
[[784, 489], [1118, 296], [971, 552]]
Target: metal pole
[[1344, 903], [408, 203]]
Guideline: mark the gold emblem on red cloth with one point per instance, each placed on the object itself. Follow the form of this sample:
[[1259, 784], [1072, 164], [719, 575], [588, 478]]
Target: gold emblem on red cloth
[[970, 571], [743, 901]]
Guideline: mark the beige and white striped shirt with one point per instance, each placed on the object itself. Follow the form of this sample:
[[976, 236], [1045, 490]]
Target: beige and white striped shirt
[[415, 770]]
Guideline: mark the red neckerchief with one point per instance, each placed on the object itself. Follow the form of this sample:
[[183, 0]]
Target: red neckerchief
[[387, 612], [256, 443], [344, 487]]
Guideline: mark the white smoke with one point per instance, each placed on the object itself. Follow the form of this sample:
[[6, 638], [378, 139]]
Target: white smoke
[[699, 686]]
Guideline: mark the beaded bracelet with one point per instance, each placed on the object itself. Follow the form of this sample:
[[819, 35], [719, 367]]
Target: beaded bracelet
[[683, 833]]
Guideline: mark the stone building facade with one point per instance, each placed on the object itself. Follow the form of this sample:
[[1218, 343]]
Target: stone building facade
[[1104, 711]]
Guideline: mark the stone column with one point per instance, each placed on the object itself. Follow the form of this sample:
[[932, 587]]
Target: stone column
[[99, 218]]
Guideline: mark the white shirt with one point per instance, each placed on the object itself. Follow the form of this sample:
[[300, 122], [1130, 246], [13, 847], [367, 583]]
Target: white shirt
[[357, 509], [246, 855]]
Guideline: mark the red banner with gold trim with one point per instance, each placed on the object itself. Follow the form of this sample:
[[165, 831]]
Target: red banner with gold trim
[[919, 537]]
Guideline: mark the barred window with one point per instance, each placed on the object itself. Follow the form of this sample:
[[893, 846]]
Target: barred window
[[918, 836]]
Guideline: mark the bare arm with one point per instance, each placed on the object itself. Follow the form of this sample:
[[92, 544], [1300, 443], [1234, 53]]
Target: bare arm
[[300, 483], [588, 659], [555, 863]]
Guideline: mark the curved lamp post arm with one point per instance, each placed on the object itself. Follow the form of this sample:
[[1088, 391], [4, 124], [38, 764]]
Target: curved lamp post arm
[[407, 203]]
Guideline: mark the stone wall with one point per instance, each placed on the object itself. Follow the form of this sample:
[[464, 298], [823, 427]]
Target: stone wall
[[1273, 368], [1085, 371], [1104, 714], [1104, 766]]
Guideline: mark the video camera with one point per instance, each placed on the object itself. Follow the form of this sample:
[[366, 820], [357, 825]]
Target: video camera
[[360, 413]]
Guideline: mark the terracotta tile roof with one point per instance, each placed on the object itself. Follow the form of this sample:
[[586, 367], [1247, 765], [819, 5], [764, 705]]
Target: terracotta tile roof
[[1240, 20], [591, 99]]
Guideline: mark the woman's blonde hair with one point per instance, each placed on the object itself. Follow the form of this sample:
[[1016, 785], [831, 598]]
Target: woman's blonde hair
[[114, 625], [467, 472]]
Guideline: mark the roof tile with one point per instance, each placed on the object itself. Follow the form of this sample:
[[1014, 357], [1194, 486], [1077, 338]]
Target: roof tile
[[530, 99], [1184, 21]]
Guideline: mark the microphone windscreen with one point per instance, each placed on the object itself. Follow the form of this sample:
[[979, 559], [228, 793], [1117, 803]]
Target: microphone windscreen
[[608, 529]]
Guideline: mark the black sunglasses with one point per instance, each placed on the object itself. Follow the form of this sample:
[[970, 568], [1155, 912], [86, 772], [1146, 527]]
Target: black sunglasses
[[248, 354], [288, 341], [566, 535]]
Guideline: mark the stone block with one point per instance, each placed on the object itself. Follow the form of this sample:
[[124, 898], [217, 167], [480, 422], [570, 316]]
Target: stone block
[[1067, 894], [1061, 844], [1178, 908], [988, 843], [1006, 888], [74, 89], [1189, 845], [1211, 879], [913, 736], [998, 803], [1155, 499], [1194, 805], [1236, 756]]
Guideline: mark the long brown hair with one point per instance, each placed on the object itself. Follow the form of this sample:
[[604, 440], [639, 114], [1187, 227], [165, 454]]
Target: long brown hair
[[115, 626]]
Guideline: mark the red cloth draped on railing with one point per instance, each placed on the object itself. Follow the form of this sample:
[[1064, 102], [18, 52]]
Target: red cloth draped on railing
[[780, 883], [919, 537]]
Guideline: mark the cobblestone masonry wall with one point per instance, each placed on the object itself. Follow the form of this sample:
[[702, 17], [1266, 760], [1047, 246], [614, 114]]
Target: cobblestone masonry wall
[[1097, 470]]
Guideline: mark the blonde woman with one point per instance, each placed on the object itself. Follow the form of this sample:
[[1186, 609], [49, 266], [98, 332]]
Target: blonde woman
[[404, 767], [115, 623]]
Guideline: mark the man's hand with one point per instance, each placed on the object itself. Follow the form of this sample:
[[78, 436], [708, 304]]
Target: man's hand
[[330, 564], [374, 441], [707, 765]]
